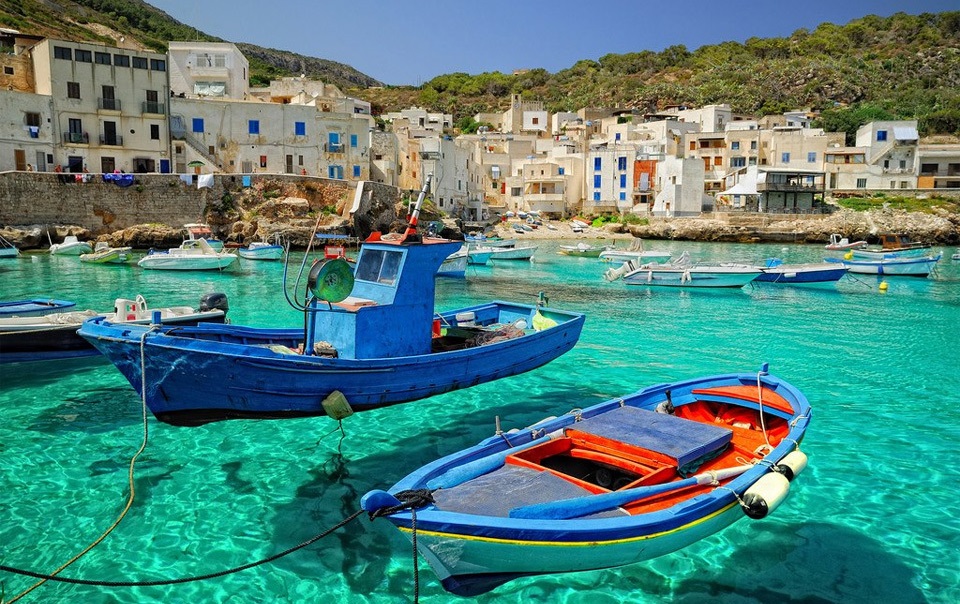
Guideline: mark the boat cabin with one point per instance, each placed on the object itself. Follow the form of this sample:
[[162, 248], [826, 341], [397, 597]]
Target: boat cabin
[[390, 310]]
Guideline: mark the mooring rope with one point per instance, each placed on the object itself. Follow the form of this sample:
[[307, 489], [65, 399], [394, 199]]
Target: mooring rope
[[409, 500]]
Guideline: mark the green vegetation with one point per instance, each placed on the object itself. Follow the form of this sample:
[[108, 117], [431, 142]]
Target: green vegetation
[[879, 201], [628, 218]]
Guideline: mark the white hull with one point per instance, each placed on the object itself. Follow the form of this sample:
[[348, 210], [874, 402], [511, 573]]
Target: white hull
[[513, 253], [71, 247], [702, 276], [187, 260], [455, 265], [621, 256], [261, 252], [913, 267]]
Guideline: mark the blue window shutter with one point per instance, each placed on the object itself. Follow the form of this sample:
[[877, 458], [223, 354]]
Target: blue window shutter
[[881, 135], [617, 137], [596, 196], [596, 181], [623, 196], [560, 171], [331, 172], [596, 163], [785, 158], [300, 128], [254, 126], [812, 157], [353, 141], [356, 171], [198, 124], [623, 181]]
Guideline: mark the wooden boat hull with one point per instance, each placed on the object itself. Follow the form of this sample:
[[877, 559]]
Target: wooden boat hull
[[474, 541], [801, 274], [254, 373], [709, 277], [906, 267]]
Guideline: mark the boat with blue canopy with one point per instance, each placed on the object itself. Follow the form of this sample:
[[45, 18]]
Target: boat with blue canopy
[[616, 483], [371, 337]]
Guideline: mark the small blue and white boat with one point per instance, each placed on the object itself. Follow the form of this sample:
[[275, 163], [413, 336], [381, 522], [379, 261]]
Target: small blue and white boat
[[370, 338], [261, 250], [892, 246], [617, 483], [775, 271], [34, 307], [684, 273], [907, 266]]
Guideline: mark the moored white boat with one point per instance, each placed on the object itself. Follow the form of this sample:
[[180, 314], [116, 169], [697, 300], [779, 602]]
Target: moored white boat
[[455, 265], [892, 246], [684, 273], [523, 252], [261, 250], [583, 250], [839, 242], [104, 254], [477, 254], [33, 307], [636, 253], [199, 230], [71, 246], [907, 266], [7, 249], [190, 256]]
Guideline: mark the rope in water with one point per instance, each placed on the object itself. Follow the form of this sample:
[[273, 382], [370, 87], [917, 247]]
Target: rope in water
[[411, 500]]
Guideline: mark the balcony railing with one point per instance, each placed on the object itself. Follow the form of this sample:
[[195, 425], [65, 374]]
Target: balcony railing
[[154, 107], [335, 147], [109, 104], [76, 137], [115, 141]]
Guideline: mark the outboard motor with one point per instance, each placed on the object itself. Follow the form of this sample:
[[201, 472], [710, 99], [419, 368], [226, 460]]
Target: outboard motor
[[214, 300]]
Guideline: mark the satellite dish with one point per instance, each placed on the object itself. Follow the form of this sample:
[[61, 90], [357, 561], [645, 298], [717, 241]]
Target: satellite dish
[[330, 280]]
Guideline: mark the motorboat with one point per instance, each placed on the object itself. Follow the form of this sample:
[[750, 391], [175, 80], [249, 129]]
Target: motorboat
[[261, 250], [892, 246], [71, 246], [7, 249], [775, 271], [54, 336], [636, 253], [839, 242], [103, 253], [583, 250], [454, 265], [523, 252], [616, 483], [33, 307], [199, 230], [684, 273], [196, 255], [908, 266]]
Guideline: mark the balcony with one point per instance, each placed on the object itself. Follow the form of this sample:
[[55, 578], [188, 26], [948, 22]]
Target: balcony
[[79, 138], [543, 198], [108, 104], [335, 148], [153, 107], [113, 141]]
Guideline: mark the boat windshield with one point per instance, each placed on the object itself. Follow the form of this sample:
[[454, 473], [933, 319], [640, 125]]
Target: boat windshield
[[379, 266]]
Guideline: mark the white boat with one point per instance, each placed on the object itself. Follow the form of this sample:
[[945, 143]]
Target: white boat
[[261, 250], [478, 254], [684, 273], [892, 246], [71, 246], [635, 253], [838, 242], [200, 230], [908, 266], [7, 249], [104, 254], [525, 252], [194, 255], [583, 250], [455, 265], [956, 256]]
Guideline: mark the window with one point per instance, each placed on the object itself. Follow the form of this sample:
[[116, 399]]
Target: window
[[596, 181], [356, 171], [621, 163], [7, 70], [616, 136], [253, 126], [73, 90], [514, 191], [753, 145], [379, 266], [139, 62], [158, 65], [109, 100], [623, 181], [32, 119], [623, 196], [62, 52], [861, 183], [121, 60], [903, 184], [903, 164], [353, 141], [785, 157], [336, 172], [536, 121], [735, 146], [299, 128], [737, 162], [596, 196], [154, 132], [597, 163], [333, 143], [101, 58], [812, 157], [198, 124], [263, 161], [693, 145], [881, 135], [560, 170], [83, 56]]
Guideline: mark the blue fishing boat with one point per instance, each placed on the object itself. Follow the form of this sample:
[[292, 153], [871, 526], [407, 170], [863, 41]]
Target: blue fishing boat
[[34, 307], [775, 271], [623, 481], [371, 338]]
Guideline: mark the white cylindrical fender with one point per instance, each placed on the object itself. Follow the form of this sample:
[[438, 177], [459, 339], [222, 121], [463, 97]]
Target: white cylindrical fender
[[792, 464], [765, 495]]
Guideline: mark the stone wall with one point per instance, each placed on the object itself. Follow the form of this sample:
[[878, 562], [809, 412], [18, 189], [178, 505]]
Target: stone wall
[[103, 207]]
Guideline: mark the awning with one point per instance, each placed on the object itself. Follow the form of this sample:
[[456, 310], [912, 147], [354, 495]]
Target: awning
[[905, 133], [744, 187]]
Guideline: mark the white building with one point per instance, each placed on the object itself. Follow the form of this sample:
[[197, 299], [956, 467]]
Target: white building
[[216, 70]]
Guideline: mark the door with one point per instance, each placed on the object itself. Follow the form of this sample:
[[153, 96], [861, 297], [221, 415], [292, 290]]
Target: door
[[41, 165], [289, 164], [107, 165], [109, 133], [164, 166], [20, 159]]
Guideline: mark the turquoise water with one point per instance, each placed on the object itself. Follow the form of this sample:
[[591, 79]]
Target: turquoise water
[[875, 518]]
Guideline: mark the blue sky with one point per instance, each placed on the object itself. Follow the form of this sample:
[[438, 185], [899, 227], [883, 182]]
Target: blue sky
[[412, 41]]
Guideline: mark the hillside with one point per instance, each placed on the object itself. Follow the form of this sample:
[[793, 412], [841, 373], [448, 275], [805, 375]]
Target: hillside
[[898, 67], [143, 26]]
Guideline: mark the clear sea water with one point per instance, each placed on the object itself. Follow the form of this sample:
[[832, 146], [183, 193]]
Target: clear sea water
[[875, 517]]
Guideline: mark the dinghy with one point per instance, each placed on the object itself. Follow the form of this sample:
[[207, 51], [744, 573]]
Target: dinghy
[[617, 483]]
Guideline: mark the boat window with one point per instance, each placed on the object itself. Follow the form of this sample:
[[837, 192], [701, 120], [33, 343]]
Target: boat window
[[379, 266]]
